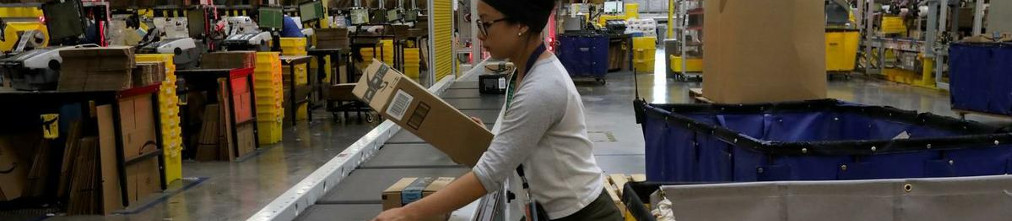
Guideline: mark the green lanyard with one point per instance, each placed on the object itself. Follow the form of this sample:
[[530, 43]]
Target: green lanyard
[[511, 88]]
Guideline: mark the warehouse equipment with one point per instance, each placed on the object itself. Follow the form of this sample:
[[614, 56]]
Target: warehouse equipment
[[584, 55], [814, 140], [187, 53], [244, 34], [950, 198], [33, 70], [177, 36], [979, 78]]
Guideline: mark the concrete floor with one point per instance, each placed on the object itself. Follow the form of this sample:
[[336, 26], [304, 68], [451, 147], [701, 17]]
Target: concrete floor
[[234, 191]]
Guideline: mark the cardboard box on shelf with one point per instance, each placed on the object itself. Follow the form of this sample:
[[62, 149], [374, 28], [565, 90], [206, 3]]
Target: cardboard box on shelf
[[93, 69], [408, 104], [331, 38], [781, 59], [411, 189], [228, 60], [148, 73], [113, 58]]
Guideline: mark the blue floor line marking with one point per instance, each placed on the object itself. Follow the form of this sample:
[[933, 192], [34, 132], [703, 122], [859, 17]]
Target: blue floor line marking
[[164, 197]]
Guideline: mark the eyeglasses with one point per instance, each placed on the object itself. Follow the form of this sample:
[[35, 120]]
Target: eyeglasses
[[484, 26]]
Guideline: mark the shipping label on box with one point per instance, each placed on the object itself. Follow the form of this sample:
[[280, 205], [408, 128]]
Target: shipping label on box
[[411, 106], [411, 189]]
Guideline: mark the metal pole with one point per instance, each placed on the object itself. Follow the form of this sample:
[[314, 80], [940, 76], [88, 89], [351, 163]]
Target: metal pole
[[859, 15], [940, 53], [978, 17], [683, 21], [869, 32], [671, 18], [931, 36], [475, 42]]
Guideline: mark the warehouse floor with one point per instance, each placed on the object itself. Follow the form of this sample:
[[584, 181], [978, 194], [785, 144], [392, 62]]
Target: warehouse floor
[[234, 191]]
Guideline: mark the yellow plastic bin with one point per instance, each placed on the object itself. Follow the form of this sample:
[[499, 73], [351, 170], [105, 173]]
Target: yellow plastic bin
[[644, 53], [841, 49], [691, 65]]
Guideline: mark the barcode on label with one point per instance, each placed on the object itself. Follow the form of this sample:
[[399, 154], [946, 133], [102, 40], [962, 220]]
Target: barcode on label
[[502, 83], [399, 105]]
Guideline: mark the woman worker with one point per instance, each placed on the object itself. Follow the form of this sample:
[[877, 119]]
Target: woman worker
[[543, 132]]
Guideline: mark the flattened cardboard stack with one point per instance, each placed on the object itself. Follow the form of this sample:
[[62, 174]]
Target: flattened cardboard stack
[[332, 38], [38, 173], [207, 145], [148, 73], [415, 109], [85, 187], [761, 55], [96, 69], [228, 60], [216, 137], [411, 189]]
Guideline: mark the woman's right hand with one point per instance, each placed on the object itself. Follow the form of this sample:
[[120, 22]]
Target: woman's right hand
[[478, 120]]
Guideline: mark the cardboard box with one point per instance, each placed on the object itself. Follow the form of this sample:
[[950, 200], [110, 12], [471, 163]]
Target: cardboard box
[[411, 189], [143, 179], [228, 60], [96, 69], [113, 58], [763, 55], [408, 104], [109, 81], [137, 124], [148, 73], [108, 178], [12, 181]]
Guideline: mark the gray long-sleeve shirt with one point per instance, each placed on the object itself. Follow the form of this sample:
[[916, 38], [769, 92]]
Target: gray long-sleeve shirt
[[544, 128]]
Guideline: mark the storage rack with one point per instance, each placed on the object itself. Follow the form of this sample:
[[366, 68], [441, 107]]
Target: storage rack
[[206, 80], [41, 101]]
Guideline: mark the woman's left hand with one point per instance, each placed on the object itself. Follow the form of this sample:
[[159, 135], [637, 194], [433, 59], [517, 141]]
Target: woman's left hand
[[396, 214]]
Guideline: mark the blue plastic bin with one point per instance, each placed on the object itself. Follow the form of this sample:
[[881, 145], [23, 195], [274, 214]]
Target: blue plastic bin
[[814, 140], [980, 77], [584, 55]]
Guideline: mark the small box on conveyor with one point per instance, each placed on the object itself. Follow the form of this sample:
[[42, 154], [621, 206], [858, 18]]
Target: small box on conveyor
[[492, 83], [496, 78], [411, 189]]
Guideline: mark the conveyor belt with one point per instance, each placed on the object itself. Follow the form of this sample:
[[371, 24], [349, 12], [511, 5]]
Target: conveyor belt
[[357, 197]]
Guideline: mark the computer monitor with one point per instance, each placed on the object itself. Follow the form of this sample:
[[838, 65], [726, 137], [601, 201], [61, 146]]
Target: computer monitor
[[64, 19], [613, 7], [270, 18], [311, 11], [196, 22]]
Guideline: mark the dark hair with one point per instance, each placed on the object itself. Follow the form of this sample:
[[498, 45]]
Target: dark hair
[[533, 13]]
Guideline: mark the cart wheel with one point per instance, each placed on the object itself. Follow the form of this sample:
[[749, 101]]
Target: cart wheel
[[602, 81]]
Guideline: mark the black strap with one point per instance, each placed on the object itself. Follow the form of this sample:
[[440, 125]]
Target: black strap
[[534, 57], [539, 213], [530, 64]]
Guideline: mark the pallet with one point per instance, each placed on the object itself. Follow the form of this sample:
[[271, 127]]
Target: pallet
[[962, 114], [697, 95]]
